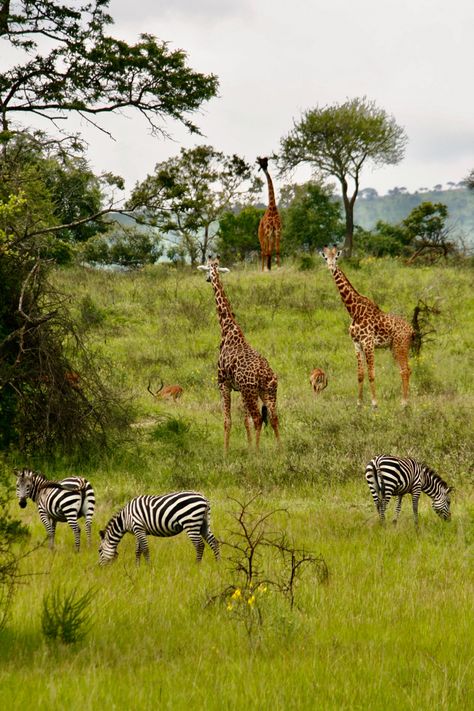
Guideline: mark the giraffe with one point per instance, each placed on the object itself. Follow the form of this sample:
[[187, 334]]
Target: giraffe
[[371, 328], [241, 368], [269, 228]]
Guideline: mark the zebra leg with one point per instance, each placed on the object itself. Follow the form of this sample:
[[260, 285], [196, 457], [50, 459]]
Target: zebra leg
[[50, 526], [398, 509], [141, 546], [213, 542], [415, 498], [197, 541], [77, 533], [88, 525]]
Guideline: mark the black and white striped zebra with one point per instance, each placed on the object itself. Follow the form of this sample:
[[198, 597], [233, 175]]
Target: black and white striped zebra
[[387, 475], [65, 500], [161, 516]]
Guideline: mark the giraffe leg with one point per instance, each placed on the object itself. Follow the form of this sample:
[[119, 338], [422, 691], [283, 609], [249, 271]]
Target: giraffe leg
[[277, 247], [269, 399], [400, 353], [251, 406], [360, 373], [226, 403], [370, 360], [247, 423]]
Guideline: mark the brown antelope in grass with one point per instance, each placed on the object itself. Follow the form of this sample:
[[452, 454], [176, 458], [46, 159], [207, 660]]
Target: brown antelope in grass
[[318, 380], [170, 392]]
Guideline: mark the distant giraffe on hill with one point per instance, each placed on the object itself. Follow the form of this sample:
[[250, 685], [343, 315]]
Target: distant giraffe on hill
[[371, 328], [241, 368], [269, 229]]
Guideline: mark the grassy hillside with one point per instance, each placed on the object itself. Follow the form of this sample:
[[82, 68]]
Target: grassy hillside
[[394, 209], [392, 625]]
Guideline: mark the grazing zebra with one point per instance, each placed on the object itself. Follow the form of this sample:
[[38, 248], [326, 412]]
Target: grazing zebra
[[65, 500], [387, 475], [162, 516]]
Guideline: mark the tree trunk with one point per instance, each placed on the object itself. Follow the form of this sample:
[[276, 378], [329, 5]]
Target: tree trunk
[[349, 212]]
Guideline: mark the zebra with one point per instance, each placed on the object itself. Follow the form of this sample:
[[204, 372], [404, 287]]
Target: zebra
[[387, 475], [163, 516], [65, 500]]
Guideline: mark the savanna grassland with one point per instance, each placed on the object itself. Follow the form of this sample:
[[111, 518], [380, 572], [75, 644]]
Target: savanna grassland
[[392, 624]]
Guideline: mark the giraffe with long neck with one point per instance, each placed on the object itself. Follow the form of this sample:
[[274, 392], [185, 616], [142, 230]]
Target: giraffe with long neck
[[241, 368], [269, 228], [371, 328]]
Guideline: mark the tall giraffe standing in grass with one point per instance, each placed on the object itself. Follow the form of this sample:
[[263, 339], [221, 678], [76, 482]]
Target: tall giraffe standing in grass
[[269, 228], [371, 328], [241, 368]]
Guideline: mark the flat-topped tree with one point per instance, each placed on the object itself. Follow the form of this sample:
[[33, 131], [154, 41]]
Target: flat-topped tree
[[338, 141]]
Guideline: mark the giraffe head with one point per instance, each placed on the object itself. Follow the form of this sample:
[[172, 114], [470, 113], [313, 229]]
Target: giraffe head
[[331, 255], [212, 264], [262, 162]]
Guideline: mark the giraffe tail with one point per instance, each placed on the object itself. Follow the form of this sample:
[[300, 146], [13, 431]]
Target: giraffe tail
[[265, 414]]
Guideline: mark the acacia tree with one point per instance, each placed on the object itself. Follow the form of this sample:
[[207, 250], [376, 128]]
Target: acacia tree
[[187, 194], [338, 141], [470, 180]]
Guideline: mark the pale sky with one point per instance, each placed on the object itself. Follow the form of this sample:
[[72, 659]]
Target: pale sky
[[277, 58]]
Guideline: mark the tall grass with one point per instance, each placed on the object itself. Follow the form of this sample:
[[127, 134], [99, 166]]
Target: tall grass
[[391, 628]]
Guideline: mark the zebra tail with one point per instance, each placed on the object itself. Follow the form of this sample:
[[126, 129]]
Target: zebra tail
[[379, 484], [265, 414]]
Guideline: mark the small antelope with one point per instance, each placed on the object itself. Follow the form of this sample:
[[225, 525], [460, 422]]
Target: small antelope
[[170, 392], [318, 380], [72, 379]]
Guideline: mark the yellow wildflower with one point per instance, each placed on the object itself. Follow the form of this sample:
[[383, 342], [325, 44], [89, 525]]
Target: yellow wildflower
[[230, 606], [251, 600], [262, 588], [237, 593]]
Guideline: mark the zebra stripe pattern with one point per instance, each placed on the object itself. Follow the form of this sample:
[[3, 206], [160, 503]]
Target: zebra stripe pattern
[[161, 516], [64, 501], [387, 475]]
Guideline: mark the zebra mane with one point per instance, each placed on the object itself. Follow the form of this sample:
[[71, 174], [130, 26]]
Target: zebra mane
[[434, 475], [111, 522]]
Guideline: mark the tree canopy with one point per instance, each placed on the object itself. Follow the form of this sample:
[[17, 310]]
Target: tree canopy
[[70, 64], [187, 194], [338, 141]]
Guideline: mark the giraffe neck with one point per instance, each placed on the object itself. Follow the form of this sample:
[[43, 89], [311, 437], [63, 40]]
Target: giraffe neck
[[224, 311], [271, 192], [350, 297]]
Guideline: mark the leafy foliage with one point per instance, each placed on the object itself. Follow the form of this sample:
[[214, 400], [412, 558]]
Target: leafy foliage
[[312, 218], [187, 194], [237, 238], [128, 246]]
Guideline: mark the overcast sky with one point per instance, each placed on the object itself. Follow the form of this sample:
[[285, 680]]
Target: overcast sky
[[277, 58]]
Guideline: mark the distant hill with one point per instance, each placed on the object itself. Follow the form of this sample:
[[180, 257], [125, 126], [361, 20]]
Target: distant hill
[[395, 206]]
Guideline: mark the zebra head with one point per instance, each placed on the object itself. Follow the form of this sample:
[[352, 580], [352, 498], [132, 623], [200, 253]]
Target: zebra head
[[441, 503], [25, 484], [107, 548]]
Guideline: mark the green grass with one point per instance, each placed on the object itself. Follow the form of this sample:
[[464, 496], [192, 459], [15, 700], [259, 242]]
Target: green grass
[[393, 625]]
